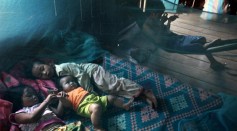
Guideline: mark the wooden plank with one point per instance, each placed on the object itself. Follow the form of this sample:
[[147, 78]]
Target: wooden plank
[[190, 80], [213, 31], [207, 25], [199, 83], [193, 18], [203, 31], [194, 72], [191, 32], [196, 63], [194, 69]]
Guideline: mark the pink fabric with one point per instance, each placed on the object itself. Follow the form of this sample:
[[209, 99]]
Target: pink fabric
[[2, 88], [14, 128], [17, 72], [5, 110], [8, 80], [14, 78], [42, 125]]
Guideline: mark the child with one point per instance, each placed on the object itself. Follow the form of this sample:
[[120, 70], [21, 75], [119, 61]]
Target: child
[[35, 115], [153, 26], [86, 104], [88, 74]]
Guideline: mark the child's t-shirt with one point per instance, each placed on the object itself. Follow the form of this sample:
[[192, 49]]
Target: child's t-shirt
[[47, 116], [76, 96]]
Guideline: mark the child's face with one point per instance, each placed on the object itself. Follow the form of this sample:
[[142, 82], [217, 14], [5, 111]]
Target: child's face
[[43, 71], [29, 97], [68, 83]]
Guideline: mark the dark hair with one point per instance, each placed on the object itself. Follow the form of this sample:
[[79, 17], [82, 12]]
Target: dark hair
[[29, 65], [59, 86], [14, 95], [156, 6]]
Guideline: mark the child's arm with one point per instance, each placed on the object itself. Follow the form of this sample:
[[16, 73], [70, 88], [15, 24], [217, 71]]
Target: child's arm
[[154, 34], [63, 99], [164, 18], [171, 19], [24, 118], [59, 110]]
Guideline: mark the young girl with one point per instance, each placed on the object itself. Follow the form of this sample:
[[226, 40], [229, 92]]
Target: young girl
[[86, 104], [90, 74], [35, 115]]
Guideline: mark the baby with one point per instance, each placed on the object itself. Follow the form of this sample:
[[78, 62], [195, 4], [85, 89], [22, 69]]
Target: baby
[[86, 104]]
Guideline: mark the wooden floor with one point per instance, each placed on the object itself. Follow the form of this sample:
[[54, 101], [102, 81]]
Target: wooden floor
[[194, 69]]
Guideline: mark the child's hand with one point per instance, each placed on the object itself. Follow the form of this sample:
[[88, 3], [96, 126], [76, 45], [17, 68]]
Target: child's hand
[[52, 91], [63, 98], [164, 18], [50, 98], [62, 94]]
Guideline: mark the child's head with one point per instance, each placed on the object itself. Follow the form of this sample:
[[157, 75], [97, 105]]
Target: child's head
[[154, 10], [29, 97], [68, 83], [22, 96], [42, 70]]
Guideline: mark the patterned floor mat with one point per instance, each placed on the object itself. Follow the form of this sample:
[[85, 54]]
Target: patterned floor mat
[[176, 100]]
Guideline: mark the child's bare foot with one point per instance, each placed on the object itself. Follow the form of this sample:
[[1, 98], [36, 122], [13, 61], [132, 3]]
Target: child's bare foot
[[151, 99], [217, 66], [127, 105]]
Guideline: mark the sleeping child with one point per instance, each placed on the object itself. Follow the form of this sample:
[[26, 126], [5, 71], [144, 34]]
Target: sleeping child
[[35, 114], [87, 104], [91, 75]]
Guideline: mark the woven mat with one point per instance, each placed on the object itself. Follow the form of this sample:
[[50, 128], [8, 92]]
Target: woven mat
[[176, 100]]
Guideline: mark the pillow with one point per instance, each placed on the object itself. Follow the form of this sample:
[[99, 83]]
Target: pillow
[[5, 111], [18, 73], [6, 81], [9, 80], [2, 89]]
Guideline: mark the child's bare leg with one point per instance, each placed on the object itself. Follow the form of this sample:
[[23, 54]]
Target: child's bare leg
[[96, 112], [150, 98], [118, 102], [213, 43], [214, 64]]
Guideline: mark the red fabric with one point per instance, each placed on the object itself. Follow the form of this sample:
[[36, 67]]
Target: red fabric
[[9, 80], [14, 78], [2, 88], [15, 128], [18, 72], [5, 111]]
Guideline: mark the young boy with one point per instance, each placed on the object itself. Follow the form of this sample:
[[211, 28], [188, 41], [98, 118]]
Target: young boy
[[88, 73], [86, 104], [153, 26]]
